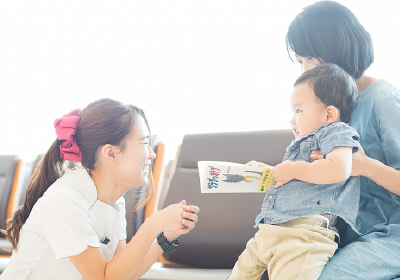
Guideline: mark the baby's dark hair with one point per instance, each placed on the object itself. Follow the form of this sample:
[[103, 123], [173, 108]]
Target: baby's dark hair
[[332, 86]]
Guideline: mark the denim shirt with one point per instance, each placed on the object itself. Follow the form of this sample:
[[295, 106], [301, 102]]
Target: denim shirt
[[377, 118], [297, 199]]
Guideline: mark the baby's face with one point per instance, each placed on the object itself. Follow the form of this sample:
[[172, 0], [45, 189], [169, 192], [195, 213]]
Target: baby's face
[[309, 112]]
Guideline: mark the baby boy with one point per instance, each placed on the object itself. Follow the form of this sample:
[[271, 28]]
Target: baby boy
[[313, 204]]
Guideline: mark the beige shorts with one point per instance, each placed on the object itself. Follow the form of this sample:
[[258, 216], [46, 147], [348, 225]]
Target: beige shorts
[[297, 249]]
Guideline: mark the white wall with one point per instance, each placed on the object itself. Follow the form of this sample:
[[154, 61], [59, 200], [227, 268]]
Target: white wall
[[193, 66]]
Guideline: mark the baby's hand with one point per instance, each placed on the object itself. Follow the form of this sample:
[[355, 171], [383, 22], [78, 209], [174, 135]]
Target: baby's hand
[[282, 173], [257, 164]]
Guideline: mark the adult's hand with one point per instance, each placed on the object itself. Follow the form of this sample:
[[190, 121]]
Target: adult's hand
[[187, 217], [359, 162], [316, 155], [170, 218], [189, 220]]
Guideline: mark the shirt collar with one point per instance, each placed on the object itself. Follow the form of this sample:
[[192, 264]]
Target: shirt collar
[[89, 190]]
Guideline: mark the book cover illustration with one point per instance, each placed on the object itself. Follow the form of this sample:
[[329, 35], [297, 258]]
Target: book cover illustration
[[229, 177]]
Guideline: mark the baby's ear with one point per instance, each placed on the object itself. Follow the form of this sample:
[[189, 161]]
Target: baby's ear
[[332, 114]]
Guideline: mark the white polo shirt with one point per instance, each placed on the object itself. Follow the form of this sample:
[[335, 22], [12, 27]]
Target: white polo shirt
[[63, 223]]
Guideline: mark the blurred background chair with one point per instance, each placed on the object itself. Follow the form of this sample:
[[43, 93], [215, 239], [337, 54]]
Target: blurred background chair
[[11, 177], [226, 221], [29, 169], [10, 167], [14, 177]]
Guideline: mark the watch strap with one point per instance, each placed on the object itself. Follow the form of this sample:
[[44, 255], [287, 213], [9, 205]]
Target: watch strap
[[167, 246]]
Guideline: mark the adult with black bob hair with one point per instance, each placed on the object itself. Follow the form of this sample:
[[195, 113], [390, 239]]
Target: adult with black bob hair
[[328, 32]]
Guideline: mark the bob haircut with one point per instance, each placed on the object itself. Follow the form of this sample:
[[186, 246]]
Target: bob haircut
[[332, 86], [329, 31]]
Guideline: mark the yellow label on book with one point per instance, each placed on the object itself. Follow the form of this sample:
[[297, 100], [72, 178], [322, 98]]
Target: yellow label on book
[[266, 180]]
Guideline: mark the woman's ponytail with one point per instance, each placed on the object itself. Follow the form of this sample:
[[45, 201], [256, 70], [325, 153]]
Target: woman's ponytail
[[47, 172], [80, 136]]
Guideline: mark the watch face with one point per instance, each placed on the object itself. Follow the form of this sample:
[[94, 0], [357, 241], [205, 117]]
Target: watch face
[[171, 248], [175, 241]]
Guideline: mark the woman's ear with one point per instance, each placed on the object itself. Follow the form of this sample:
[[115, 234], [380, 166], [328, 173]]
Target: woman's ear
[[108, 153], [332, 114]]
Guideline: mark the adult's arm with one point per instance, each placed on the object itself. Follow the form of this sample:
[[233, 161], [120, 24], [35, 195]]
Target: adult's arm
[[151, 257], [92, 264], [388, 126], [190, 219], [385, 176]]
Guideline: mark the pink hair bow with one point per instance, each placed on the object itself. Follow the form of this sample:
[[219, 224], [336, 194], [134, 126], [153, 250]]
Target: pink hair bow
[[65, 129]]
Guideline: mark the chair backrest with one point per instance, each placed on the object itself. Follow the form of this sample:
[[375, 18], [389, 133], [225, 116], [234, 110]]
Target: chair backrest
[[131, 198], [163, 185], [157, 170], [226, 221], [21, 193], [21, 182], [9, 174], [29, 169]]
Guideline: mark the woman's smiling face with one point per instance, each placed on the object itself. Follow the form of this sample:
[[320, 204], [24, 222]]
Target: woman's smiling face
[[135, 160]]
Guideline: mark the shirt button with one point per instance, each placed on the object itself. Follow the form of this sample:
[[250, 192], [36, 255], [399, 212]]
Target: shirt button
[[270, 197]]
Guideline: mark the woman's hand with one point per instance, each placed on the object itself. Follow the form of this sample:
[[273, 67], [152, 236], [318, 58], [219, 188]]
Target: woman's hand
[[359, 161], [282, 173], [170, 218], [316, 155], [188, 219]]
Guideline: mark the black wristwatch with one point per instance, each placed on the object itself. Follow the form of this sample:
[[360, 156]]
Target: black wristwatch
[[167, 247]]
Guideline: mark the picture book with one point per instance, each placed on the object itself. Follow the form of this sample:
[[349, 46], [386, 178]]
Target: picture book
[[229, 177]]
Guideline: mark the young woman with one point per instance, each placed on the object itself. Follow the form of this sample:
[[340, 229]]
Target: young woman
[[329, 32], [72, 224]]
